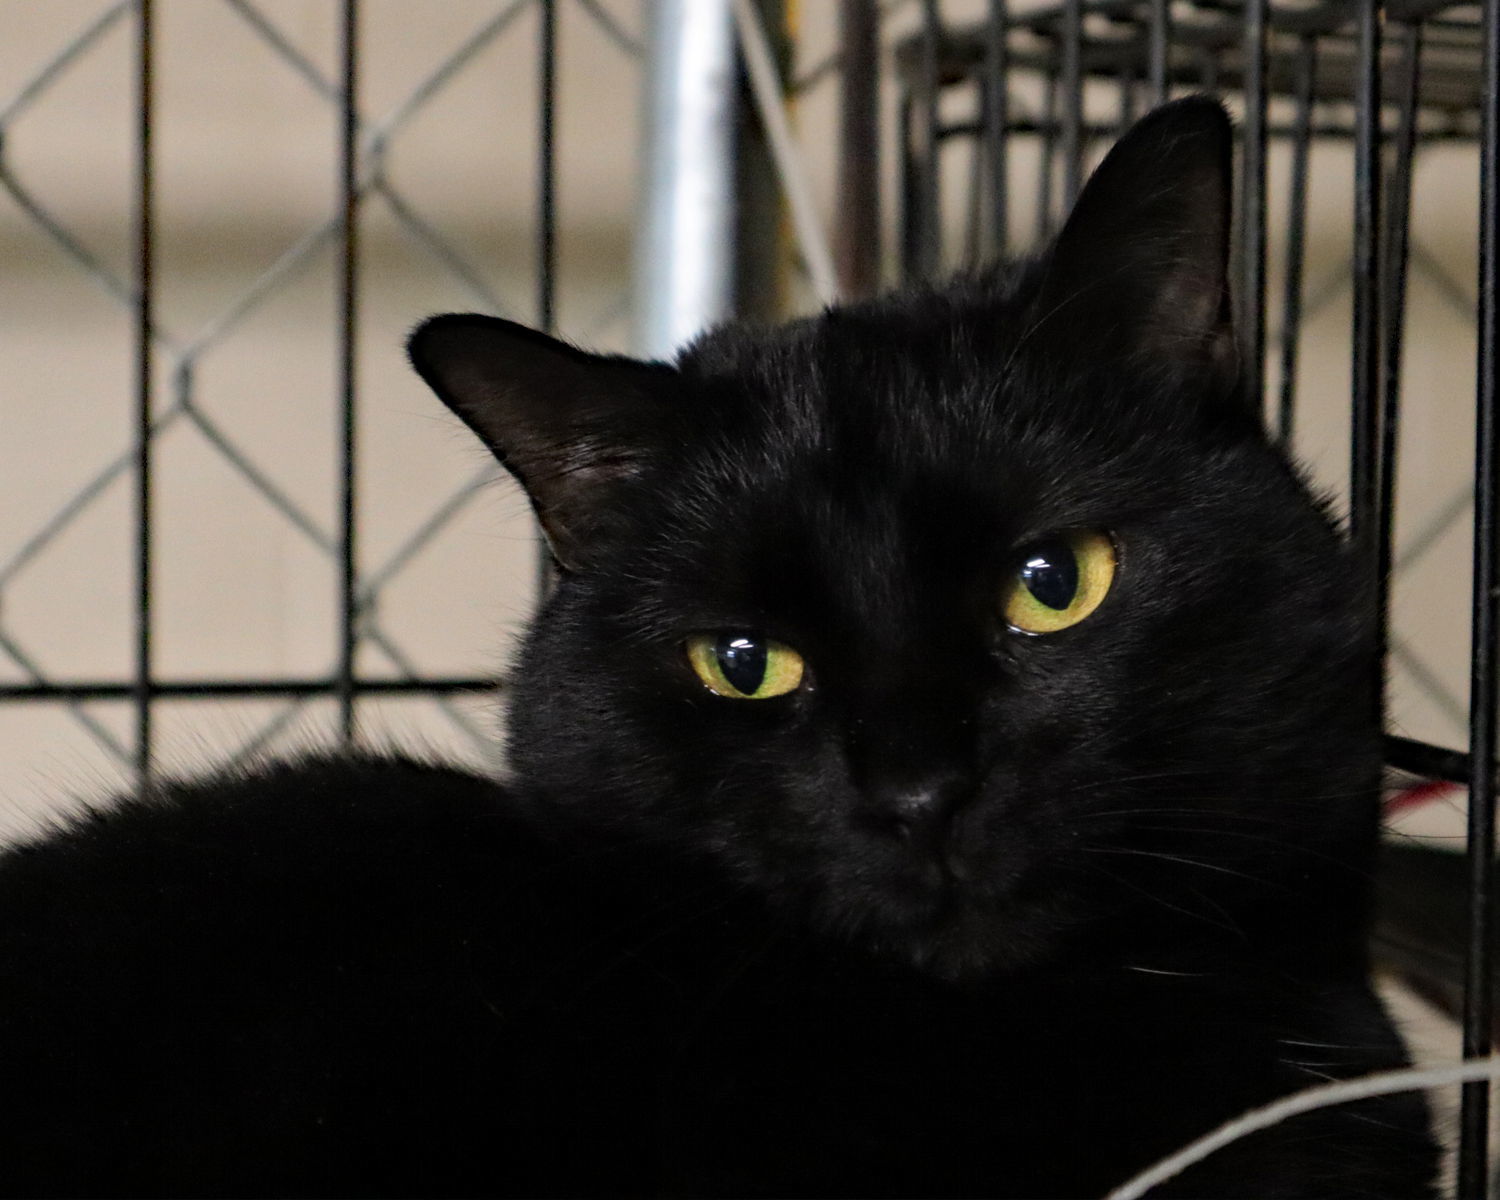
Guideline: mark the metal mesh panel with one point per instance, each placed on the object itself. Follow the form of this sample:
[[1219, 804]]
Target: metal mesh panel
[[251, 341]]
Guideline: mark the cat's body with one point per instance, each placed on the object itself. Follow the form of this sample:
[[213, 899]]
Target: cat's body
[[834, 862], [369, 979]]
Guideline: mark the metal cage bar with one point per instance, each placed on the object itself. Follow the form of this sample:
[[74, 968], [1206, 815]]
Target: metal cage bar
[[1291, 307], [546, 219], [1364, 338], [858, 233], [1484, 678], [348, 298], [997, 122], [1393, 285], [1160, 36], [145, 325], [1252, 314], [1325, 64], [929, 179], [1071, 37]]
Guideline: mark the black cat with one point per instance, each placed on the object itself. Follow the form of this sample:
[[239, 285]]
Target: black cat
[[946, 766]]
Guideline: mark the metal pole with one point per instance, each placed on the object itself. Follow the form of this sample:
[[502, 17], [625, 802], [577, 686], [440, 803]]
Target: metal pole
[[684, 273], [858, 231]]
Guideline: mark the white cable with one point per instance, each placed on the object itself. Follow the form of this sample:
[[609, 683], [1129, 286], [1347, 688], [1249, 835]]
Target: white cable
[[765, 82], [1323, 1096]]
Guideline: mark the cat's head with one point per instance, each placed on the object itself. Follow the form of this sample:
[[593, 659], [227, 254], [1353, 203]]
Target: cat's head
[[960, 622]]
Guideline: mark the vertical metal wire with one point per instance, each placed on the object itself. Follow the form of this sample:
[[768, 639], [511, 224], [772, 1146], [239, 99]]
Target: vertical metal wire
[[858, 227], [546, 217], [546, 220], [1208, 68], [1048, 162], [929, 231], [1127, 97], [348, 324], [997, 123], [1365, 413], [1072, 83], [910, 194], [1398, 218], [975, 224], [144, 362], [1252, 314], [1158, 39], [1484, 677], [1296, 240]]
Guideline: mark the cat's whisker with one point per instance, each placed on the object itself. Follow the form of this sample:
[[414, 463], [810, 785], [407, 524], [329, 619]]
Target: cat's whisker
[[1143, 970], [1207, 811], [1210, 830], [1226, 923], [1177, 858], [1326, 1045]]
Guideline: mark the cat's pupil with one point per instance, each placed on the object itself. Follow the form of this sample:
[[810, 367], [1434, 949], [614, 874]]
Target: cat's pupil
[[1050, 573], [743, 661]]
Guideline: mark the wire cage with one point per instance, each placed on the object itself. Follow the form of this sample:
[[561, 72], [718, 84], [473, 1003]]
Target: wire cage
[[979, 118], [1025, 98], [128, 268]]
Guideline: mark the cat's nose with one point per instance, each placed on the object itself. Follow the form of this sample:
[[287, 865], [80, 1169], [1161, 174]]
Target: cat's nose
[[916, 811]]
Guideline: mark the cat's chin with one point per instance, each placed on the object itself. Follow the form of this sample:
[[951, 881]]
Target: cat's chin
[[954, 934], [966, 942]]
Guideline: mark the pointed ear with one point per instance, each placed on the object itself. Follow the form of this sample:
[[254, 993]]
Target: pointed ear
[[1141, 266], [567, 424]]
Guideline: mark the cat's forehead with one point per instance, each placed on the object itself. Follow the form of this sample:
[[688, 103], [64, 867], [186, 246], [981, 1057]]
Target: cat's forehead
[[922, 437], [852, 451], [907, 340], [944, 381]]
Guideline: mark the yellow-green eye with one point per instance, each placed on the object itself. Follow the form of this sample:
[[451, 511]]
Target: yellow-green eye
[[1060, 581], [743, 666]]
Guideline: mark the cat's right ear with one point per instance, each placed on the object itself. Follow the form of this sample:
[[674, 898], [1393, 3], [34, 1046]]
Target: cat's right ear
[[569, 425], [1140, 269]]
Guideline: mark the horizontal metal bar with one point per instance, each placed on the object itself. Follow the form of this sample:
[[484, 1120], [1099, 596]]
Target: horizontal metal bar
[[1451, 83], [1107, 131], [1423, 758], [1220, 22], [169, 689]]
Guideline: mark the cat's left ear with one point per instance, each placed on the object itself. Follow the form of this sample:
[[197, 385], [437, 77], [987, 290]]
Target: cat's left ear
[[569, 425], [1140, 268]]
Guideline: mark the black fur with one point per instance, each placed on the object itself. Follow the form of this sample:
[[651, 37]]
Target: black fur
[[969, 912]]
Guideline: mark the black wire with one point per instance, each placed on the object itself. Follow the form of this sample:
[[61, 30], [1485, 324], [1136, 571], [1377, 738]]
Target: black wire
[[1484, 678], [348, 329], [142, 690]]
